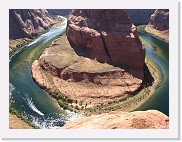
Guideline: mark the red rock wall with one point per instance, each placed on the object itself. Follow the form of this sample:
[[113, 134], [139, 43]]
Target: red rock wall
[[28, 22], [159, 20], [105, 35]]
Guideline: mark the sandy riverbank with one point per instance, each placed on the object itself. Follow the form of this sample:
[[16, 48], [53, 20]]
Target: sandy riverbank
[[17, 123], [162, 35]]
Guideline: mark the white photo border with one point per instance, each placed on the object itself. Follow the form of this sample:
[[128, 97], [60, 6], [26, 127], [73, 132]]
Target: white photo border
[[171, 133]]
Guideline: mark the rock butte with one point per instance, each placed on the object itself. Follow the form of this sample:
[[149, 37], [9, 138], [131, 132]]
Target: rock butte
[[105, 35], [159, 24], [150, 119], [104, 63]]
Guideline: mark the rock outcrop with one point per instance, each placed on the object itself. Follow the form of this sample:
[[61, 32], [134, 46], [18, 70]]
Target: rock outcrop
[[159, 20], [159, 24], [27, 23], [100, 60], [140, 16], [151, 119], [80, 78], [104, 35]]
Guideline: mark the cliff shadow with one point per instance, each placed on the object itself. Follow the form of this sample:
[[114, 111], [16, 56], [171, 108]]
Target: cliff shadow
[[148, 79], [79, 51]]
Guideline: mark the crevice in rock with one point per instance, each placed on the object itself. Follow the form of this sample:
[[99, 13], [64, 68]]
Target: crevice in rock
[[105, 47], [103, 41]]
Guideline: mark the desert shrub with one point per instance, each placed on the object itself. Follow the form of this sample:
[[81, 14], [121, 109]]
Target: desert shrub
[[76, 107], [63, 104]]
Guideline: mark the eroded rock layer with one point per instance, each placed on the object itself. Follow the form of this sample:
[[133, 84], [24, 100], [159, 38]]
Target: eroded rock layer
[[81, 78], [151, 119], [26, 23], [105, 35]]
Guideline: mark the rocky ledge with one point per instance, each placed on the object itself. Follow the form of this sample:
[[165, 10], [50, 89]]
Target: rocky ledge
[[150, 119], [159, 24]]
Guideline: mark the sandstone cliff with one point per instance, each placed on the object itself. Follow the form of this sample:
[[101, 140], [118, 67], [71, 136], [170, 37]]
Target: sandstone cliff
[[105, 35], [159, 24], [27, 23], [151, 119], [159, 20]]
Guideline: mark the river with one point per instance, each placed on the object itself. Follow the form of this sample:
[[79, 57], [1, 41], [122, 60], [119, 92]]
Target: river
[[26, 96], [41, 110], [158, 52]]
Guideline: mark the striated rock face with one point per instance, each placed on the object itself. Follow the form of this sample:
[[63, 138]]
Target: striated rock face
[[27, 23], [151, 119], [140, 16], [159, 20], [105, 35]]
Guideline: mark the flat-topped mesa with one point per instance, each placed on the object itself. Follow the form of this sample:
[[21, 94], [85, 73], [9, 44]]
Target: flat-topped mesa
[[105, 35]]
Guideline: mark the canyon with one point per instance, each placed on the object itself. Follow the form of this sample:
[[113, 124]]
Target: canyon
[[97, 68]]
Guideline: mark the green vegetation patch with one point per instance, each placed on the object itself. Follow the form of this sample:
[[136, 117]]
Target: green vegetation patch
[[37, 51]]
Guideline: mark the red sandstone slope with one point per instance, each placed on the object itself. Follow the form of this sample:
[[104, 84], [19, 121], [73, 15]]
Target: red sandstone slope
[[151, 119]]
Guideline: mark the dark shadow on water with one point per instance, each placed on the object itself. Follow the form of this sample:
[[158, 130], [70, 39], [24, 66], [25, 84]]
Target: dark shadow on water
[[148, 79]]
